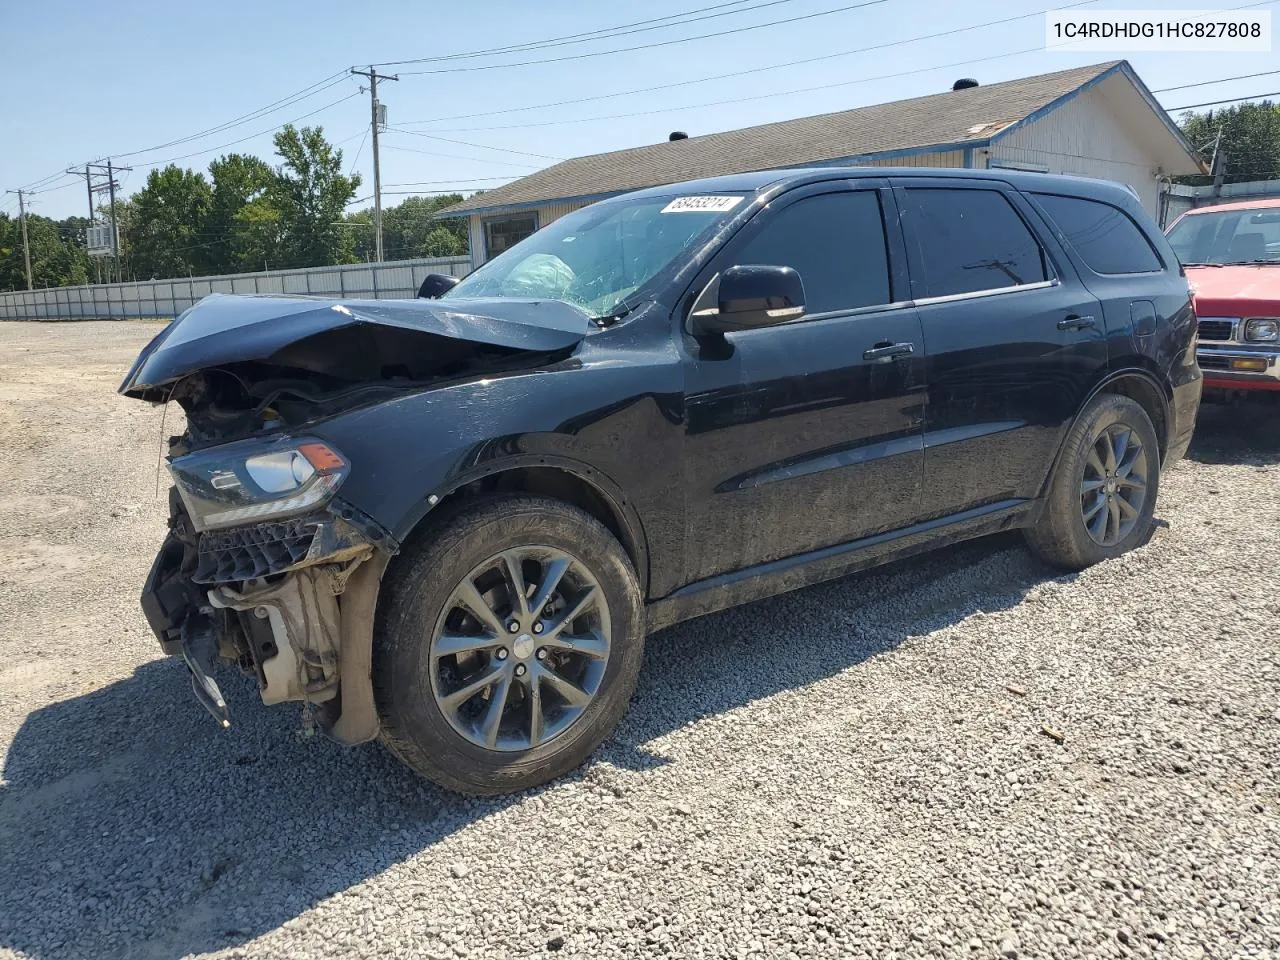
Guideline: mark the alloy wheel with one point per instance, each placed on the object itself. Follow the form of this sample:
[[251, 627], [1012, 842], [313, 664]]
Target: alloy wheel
[[521, 648], [1113, 488]]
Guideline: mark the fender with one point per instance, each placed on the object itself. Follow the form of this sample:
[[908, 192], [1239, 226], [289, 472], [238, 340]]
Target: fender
[[634, 540], [1101, 387], [357, 721]]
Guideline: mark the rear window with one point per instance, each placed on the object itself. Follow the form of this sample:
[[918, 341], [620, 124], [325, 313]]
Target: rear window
[[972, 240], [1106, 239]]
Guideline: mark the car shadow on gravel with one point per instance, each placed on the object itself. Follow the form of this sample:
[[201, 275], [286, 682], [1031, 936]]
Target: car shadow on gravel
[[131, 826], [1238, 434]]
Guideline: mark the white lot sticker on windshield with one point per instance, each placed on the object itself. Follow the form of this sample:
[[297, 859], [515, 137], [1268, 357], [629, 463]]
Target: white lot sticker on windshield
[[701, 204]]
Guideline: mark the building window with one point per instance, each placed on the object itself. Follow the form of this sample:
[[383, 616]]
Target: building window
[[502, 233]]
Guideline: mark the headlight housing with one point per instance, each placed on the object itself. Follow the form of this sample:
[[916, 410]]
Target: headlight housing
[[249, 482], [1262, 329]]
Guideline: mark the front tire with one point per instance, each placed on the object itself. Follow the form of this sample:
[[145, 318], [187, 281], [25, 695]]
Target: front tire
[[1102, 496], [508, 643]]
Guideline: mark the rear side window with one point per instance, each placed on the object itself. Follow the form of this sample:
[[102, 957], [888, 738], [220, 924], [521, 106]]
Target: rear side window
[[836, 242], [1106, 239], [971, 240]]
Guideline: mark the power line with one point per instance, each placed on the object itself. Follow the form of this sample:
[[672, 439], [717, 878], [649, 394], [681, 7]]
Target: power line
[[782, 93], [454, 156], [1215, 103], [356, 159], [468, 143], [444, 192], [303, 94], [1207, 83], [758, 96], [651, 46], [776, 66], [432, 183], [260, 133], [604, 33]]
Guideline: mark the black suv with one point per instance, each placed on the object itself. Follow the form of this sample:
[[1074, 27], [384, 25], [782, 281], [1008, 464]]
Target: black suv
[[450, 522]]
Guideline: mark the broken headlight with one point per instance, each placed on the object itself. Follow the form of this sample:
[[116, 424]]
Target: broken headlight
[[249, 482]]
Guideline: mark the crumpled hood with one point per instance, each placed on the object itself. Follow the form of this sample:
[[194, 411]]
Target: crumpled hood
[[225, 329], [1240, 290]]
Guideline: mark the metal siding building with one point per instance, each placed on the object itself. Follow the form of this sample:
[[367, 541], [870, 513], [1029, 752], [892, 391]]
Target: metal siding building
[[1107, 132], [1096, 121]]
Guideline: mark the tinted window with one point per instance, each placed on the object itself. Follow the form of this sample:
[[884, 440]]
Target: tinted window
[[1106, 239], [835, 242], [972, 240]]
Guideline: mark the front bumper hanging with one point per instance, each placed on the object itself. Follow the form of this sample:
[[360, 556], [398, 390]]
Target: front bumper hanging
[[266, 598]]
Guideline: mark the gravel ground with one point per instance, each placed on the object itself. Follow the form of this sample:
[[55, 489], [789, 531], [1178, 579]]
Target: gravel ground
[[858, 769]]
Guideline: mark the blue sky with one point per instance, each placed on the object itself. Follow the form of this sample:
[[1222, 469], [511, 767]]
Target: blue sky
[[90, 80]]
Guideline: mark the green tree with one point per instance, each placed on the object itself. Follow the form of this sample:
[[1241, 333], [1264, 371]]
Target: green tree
[[1250, 140], [258, 237], [166, 235], [12, 272], [359, 227], [57, 253], [411, 229], [239, 181], [310, 192]]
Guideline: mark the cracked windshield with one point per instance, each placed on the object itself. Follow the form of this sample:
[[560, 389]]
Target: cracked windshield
[[596, 257]]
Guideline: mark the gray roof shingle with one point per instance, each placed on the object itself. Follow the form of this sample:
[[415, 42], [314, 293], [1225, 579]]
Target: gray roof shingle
[[955, 116]]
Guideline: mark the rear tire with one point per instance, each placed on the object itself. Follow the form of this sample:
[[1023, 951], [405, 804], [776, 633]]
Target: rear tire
[[550, 682], [1102, 495]]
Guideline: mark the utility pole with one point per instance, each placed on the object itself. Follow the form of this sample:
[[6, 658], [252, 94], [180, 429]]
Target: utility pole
[[1218, 166], [115, 230], [96, 171], [374, 106], [26, 247]]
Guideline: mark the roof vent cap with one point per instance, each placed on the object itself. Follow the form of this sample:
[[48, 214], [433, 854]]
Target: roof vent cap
[[964, 83], [677, 135]]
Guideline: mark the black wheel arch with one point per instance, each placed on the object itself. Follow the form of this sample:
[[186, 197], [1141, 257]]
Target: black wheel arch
[[1140, 384], [558, 478], [555, 477]]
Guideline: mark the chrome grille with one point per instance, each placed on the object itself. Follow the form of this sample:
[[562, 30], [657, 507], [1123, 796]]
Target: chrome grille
[[1215, 329]]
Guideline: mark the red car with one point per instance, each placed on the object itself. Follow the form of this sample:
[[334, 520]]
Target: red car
[[1231, 253]]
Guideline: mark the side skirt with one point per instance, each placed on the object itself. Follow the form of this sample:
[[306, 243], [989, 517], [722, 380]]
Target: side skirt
[[805, 569]]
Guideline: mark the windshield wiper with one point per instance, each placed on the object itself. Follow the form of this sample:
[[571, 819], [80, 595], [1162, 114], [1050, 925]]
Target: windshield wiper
[[1193, 264], [613, 316], [1245, 263]]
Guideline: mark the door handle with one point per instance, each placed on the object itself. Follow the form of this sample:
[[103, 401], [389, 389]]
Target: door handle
[[887, 351], [1075, 322]]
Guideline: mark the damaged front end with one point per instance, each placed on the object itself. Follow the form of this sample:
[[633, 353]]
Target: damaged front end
[[265, 566], [279, 599]]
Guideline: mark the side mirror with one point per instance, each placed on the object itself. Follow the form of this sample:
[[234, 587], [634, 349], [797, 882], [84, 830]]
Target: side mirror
[[435, 285], [752, 296]]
